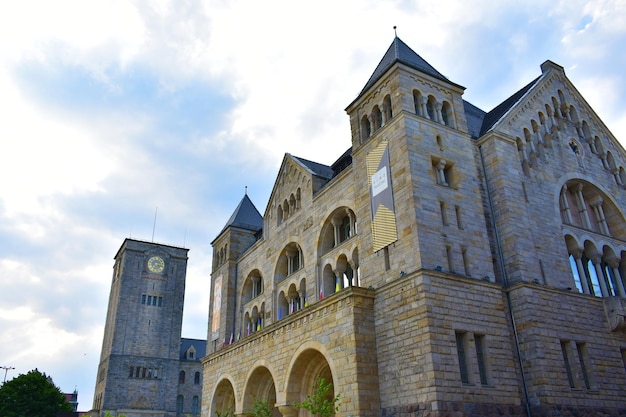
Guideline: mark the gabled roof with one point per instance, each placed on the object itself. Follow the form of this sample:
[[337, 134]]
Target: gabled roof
[[400, 52], [492, 117], [245, 216], [198, 344], [320, 170]]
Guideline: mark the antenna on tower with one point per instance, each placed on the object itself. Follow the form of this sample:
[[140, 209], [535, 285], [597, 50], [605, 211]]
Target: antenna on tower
[[246, 190], [394, 31], [154, 223]]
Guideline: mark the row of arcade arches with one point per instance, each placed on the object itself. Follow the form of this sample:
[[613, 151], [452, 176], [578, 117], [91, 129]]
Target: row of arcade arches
[[265, 383]]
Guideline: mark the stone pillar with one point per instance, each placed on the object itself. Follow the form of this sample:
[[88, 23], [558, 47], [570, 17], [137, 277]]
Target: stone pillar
[[598, 210], [582, 207], [566, 210], [617, 279], [578, 254], [441, 178], [336, 223], [597, 263]]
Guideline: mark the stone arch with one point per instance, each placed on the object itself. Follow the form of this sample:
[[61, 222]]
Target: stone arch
[[418, 99], [289, 261], [309, 363], [338, 227], [387, 111], [447, 114], [252, 287], [366, 127], [431, 108], [377, 118], [328, 284], [260, 386], [224, 397]]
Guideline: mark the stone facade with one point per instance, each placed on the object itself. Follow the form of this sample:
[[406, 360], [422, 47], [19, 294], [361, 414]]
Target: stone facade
[[453, 262], [143, 356]]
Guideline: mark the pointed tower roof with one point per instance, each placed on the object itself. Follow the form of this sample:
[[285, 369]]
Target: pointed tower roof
[[245, 216], [400, 52]]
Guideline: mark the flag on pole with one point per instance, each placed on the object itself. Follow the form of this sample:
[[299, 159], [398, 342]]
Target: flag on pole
[[232, 338], [322, 291], [337, 288], [280, 313], [258, 325], [248, 329], [306, 302]]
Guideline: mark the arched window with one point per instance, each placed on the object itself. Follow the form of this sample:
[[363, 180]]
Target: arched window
[[377, 118], [387, 108], [181, 377], [340, 226], [366, 129], [196, 378], [430, 108], [289, 261], [195, 405], [446, 114], [417, 103], [179, 403]]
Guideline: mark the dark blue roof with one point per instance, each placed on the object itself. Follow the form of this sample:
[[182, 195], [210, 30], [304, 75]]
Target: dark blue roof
[[400, 52], [492, 117], [245, 216], [316, 168], [198, 344]]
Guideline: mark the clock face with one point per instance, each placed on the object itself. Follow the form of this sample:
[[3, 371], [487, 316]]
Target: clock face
[[156, 264]]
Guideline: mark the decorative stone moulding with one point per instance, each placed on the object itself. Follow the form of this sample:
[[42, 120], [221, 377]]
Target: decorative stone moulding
[[615, 308]]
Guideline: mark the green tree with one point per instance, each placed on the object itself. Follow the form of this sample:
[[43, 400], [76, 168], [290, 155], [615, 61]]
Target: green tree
[[226, 413], [31, 394], [260, 409], [321, 403]]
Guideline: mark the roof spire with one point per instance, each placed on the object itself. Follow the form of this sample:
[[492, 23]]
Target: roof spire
[[395, 32], [246, 190]]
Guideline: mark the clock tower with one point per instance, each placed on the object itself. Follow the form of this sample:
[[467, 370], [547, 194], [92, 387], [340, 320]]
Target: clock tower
[[142, 335]]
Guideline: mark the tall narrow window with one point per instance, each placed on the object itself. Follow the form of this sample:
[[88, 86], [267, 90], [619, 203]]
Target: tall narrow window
[[195, 405], [196, 378], [466, 268], [479, 341], [459, 218], [582, 353], [181, 377], [449, 258], [566, 361], [461, 352], [442, 210], [179, 403]]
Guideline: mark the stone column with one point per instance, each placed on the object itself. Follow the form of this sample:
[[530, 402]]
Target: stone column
[[566, 210], [582, 207], [617, 278], [597, 263], [578, 254], [598, 210]]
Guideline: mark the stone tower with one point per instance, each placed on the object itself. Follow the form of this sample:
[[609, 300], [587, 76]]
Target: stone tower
[[139, 363], [239, 233]]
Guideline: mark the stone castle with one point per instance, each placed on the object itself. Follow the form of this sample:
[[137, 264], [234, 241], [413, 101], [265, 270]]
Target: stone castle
[[451, 262]]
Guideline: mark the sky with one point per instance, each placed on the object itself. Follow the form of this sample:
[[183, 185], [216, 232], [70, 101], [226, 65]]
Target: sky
[[112, 111]]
